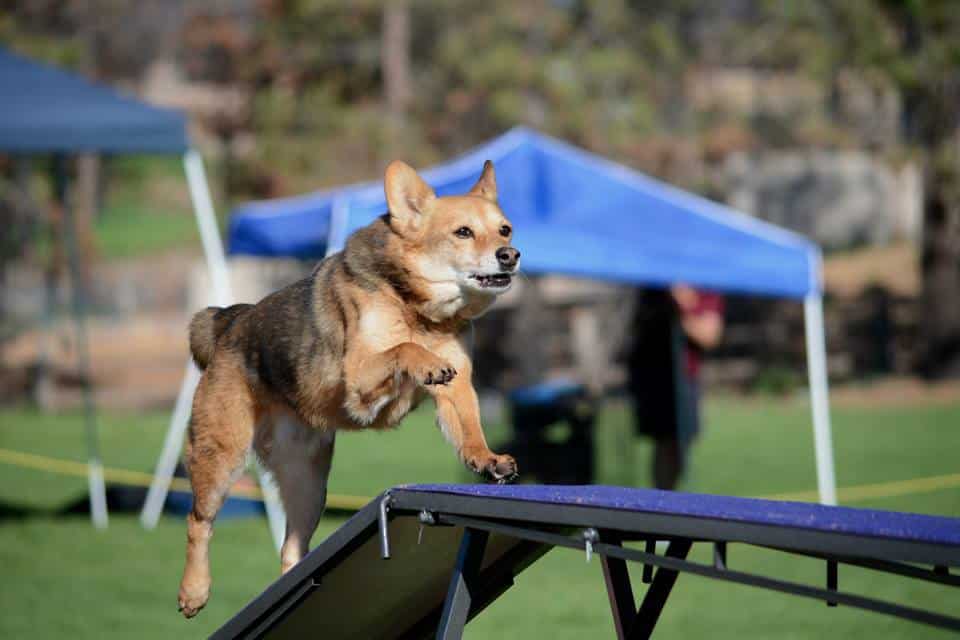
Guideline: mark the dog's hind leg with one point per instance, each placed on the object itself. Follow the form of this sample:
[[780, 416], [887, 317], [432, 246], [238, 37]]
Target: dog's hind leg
[[299, 458], [221, 432]]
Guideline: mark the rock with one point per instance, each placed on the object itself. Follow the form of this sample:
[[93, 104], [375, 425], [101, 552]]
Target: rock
[[839, 199]]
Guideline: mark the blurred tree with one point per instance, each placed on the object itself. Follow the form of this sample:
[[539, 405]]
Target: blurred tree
[[395, 57], [18, 216], [339, 89], [913, 45], [927, 68]]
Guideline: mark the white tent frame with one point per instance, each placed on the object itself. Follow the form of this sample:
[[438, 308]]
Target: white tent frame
[[819, 393], [222, 296]]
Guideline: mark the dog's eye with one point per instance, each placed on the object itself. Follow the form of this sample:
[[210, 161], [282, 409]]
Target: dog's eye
[[464, 232], [505, 230]]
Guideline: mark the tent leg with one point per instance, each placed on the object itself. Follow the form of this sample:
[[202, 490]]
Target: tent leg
[[98, 493], [817, 370], [167, 464], [222, 296], [207, 222], [276, 518]]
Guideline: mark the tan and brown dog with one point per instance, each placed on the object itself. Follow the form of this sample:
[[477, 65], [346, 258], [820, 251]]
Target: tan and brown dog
[[357, 345]]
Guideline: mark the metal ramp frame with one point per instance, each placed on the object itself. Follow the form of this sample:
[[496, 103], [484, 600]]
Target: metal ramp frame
[[423, 560]]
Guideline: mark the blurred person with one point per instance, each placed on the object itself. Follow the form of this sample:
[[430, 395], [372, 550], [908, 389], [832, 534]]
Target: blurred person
[[672, 329]]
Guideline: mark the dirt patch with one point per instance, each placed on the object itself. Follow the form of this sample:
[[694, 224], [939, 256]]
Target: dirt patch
[[897, 392], [136, 362], [895, 268]]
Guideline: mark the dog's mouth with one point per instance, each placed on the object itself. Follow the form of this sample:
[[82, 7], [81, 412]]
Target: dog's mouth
[[493, 280]]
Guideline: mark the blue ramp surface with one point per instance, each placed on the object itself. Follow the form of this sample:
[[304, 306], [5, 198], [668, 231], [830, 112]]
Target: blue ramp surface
[[887, 525]]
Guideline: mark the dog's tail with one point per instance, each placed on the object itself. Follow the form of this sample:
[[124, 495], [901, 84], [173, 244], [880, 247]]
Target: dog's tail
[[207, 326]]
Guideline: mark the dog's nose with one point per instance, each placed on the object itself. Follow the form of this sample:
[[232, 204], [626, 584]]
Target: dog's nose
[[507, 257]]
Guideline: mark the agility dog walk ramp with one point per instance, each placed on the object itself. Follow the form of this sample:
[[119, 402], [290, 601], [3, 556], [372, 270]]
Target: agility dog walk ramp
[[420, 561]]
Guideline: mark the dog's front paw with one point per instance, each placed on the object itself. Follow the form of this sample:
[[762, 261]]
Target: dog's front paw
[[500, 468], [433, 371]]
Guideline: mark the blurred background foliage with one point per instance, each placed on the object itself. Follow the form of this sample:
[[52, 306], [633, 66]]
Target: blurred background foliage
[[611, 75], [295, 95]]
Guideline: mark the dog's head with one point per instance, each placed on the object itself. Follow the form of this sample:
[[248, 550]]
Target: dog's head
[[457, 248]]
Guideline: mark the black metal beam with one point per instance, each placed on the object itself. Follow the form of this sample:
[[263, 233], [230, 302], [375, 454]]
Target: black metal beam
[[709, 571], [831, 580], [283, 609], [940, 575], [616, 576], [494, 581], [650, 546], [720, 555], [658, 592], [463, 584], [739, 577]]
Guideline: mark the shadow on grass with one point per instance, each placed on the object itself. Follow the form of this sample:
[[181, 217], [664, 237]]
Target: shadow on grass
[[120, 499]]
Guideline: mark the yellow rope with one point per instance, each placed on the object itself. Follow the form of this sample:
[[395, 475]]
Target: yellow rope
[[140, 479], [339, 501], [879, 489]]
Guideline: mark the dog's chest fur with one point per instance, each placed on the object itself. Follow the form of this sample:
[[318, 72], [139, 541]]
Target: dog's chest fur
[[381, 327]]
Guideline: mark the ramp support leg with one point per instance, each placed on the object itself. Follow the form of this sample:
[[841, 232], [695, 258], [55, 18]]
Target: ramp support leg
[[831, 580], [658, 592], [463, 585], [623, 606]]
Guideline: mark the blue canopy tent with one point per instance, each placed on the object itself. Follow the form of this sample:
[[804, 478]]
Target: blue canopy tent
[[579, 214], [48, 111]]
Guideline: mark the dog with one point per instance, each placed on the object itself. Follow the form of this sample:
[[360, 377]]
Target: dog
[[358, 344]]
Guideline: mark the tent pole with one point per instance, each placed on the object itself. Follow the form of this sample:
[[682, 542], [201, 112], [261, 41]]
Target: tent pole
[[98, 493], [207, 222], [819, 399], [222, 296], [167, 463], [339, 214]]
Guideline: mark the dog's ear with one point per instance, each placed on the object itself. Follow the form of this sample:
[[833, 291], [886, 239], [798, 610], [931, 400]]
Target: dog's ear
[[486, 186], [408, 196]]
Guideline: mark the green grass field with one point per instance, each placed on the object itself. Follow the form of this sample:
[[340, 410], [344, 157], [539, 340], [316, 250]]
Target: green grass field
[[128, 228], [62, 578], [146, 211]]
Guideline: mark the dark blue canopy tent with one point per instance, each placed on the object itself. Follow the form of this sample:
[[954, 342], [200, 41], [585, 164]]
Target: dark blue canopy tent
[[48, 111], [579, 214]]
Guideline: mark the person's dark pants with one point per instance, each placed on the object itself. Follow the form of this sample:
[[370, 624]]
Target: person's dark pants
[[669, 462], [671, 451]]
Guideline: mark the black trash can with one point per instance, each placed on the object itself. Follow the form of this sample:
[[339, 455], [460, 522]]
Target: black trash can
[[553, 439]]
